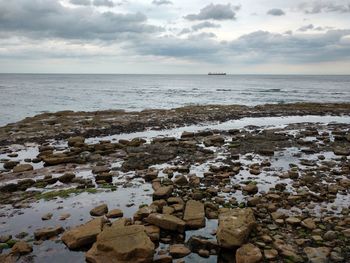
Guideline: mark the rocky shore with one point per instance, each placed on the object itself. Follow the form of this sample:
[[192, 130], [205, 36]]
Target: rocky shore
[[267, 193]]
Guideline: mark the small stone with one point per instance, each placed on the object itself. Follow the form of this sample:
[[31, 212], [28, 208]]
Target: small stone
[[64, 216], [22, 168], [293, 220], [99, 210], [204, 253], [270, 254], [115, 213], [308, 223], [330, 236], [248, 253], [317, 255], [47, 216], [21, 248]]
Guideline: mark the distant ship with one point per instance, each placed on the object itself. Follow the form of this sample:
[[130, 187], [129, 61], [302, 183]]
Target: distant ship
[[217, 73]]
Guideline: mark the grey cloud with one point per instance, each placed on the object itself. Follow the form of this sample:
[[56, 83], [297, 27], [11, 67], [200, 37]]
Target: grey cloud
[[324, 7], [306, 28], [184, 31], [215, 12], [81, 2], [205, 24], [162, 2], [49, 19], [276, 12], [107, 3]]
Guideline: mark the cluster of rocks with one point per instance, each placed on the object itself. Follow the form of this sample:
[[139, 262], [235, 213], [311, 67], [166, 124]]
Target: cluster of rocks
[[296, 217]]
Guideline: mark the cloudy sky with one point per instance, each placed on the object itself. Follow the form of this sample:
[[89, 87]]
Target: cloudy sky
[[168, 36]]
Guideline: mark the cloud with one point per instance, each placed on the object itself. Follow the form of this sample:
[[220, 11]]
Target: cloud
[[162, 2], [314, 28], [107, 3], [215, 12], [205, 24], [324, 7], [276, 12], [81, 2], [50, 19]]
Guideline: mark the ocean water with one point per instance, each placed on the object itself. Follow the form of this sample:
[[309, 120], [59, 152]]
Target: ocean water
[[23, 95]]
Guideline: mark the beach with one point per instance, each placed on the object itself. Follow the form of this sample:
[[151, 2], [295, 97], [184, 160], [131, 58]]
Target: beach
[[195, 183]]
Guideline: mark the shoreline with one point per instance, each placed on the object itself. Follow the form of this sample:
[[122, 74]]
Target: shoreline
[[65, 124]]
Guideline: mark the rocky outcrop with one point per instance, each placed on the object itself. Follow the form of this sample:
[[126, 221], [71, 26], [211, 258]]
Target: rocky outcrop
[[194, 214], [83, 235], [235, 226], [122, 244]]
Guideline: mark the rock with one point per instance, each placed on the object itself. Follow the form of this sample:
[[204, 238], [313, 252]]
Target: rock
[[308, 223], [150, 175], [83, 235], [115, 213], [21, 248], [48, 232], [167, 222], [248, 253], [163, 259], [293, 220], [287, 251], [104, 177], [8, 258], [330, 236], [215, 140], [235, 226], [204, 253], [181, 180], [317, 255], [194, 215], [99, 210], [5, 238], [153, 232], [122, 244], [20, 168], [47, 216], [250, 188], [197, 243], [100, 169], [163, 192], [76, 141], [64, 216], [341, 151], [179, 251], [270, 254], [66, 178], [10, 164]]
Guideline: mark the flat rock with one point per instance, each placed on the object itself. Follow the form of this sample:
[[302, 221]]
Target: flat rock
[[115, 213], [22, 168], [248, 253], [83, 235], [167, 222], [122, 244], [235, 226], [22, 248], [48, 232], [194, 215]]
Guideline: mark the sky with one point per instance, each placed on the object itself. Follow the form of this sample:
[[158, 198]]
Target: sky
[[175, 37]]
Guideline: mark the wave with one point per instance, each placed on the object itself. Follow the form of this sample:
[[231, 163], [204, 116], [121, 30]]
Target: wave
[[270, 90]]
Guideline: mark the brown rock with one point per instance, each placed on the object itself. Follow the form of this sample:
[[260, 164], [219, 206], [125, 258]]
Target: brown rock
[[167, 222], [179, 251], [163, 192], [99, 210], [317, 255], [194, 215], [48, 232], [21, 248], [122, 244], [248, 253], [22, 168], [235, 226], [83, 235], [115, 213]]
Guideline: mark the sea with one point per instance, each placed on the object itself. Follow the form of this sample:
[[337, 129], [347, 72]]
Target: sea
[[23, 95]]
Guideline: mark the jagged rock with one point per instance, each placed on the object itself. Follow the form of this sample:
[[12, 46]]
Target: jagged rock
[[83, 235], [122, 244], [235, 226], [194, 215], [48, 232], [167, 222], [248, 253]]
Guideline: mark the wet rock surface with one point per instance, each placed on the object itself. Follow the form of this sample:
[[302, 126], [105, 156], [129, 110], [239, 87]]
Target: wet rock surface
[[249, 194]]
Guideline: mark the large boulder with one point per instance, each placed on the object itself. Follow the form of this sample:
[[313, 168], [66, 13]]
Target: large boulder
[[235, 226], [83, 235], [122, 244], [194, 214], [167, 222], [248, 253]]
